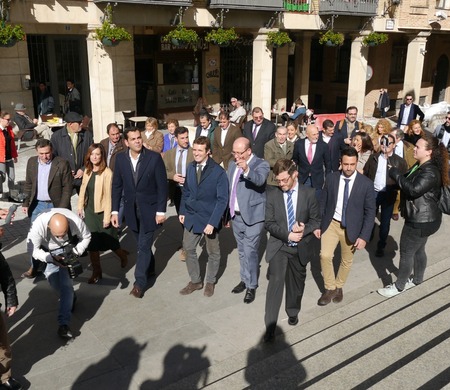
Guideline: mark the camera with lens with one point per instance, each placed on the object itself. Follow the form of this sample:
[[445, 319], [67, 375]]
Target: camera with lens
[[66, 256]]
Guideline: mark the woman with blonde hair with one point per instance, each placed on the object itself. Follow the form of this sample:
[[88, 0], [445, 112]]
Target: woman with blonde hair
[[383, 127], [94, 206], [293, 135], [370, 131], [151, 137], [414, 131]]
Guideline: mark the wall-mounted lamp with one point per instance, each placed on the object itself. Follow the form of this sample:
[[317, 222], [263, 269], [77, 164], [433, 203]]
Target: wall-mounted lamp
[[423, 52], [178, 18], [274, 19]]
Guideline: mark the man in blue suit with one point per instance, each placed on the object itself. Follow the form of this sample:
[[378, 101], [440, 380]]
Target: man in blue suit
[[203, 204], [141, 175], [408, 112], [348, 212], [247, 176], [313, 160]]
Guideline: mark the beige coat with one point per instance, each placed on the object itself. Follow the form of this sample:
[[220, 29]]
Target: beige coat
[[103, 194]]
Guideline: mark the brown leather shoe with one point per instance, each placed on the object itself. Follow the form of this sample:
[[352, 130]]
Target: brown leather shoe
[[339, 295], [191, 287], [327, 297], [30, 274], [209, 290], [136, 292]]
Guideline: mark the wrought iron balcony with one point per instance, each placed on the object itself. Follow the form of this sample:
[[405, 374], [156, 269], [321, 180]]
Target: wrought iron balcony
[[348, 7], [180, 3], [265, 5]]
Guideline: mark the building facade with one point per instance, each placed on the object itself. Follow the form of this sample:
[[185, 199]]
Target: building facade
[[153, 77]]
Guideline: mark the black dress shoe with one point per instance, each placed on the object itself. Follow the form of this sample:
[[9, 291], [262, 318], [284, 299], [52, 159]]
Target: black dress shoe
[[239, 288], [250, 295], [65, 332], [269, 336], [11, 383], [293, 321]]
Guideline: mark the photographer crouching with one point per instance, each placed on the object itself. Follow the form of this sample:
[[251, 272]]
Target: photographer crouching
[[58, 237]]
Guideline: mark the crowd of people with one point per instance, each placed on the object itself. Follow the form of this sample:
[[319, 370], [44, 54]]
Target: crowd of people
[[309, 192]]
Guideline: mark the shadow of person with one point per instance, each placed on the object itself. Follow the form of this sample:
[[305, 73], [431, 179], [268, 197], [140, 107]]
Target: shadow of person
[[384, 266], [266, 361], [126, 350], [182, 362], [227, 246], [167, 240]]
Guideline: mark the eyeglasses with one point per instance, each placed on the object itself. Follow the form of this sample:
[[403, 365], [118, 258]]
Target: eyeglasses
[[283, 181], [448, 117], [408, 99], [238, 154]]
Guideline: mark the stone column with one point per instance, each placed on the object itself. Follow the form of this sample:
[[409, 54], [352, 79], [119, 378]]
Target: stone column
[[302, 66], [101, 86], [262, 74], [280, 82], [414, 65], [357, 74]]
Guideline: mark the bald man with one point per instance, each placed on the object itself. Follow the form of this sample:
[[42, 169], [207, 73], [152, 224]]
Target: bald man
[[313, 160], [51, 230], [247, 176]]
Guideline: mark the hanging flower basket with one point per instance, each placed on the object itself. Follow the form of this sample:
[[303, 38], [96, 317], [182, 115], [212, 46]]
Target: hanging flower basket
[[182, 36], [278, 39], [109, 34], [10, 35], [375, 39], [330, 38], [222, 37]]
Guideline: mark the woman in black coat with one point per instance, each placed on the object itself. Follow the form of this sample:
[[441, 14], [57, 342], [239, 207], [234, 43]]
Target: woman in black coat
[[420, 192]]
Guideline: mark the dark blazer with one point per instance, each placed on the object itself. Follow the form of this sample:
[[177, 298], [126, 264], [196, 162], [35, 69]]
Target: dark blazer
[[222, 154], [251, 190], [62, 146], [413, 113], [266, 133], [59, 184], [205, 202], [120, 147], [144, 196], [360, 209], [370, 169], [22, 122], [320, 166], [211, 131], [308, 212], [335, 146]]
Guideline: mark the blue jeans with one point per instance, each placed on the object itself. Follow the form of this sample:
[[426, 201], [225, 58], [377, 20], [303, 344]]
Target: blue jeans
[[385, 200], [62, 284], [144, 261], [412, 255]]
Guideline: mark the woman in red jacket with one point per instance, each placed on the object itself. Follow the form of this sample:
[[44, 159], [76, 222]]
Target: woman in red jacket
[[8, 152]]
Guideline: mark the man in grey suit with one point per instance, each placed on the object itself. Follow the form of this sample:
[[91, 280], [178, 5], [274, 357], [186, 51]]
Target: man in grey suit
[[292, 219], [247, 176]]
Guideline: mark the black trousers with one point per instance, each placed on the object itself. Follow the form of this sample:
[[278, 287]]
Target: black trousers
[[284, 268]]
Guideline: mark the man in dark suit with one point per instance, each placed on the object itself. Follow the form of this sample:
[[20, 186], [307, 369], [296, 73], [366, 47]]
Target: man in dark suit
[[348, 127], [259, 131], [313, 160], [206, 128], [72, 144], [113, 144], [140, 176], [289, 247], [247, 176], [203, 204], [408, 112], [334, 142], [48, 184], [384, 102], [348, 212]]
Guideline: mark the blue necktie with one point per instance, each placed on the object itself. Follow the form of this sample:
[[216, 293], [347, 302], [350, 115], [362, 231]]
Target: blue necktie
[[344, 203], [291, 215]]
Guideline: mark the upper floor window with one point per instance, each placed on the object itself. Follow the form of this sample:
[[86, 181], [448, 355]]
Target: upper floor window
[[443, 4]]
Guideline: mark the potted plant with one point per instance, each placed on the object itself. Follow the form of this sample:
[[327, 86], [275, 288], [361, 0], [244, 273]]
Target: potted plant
[[278, 38], [222, 37], [111, 35], [375, 39], [181, 36], [331, 38], [10, 34]]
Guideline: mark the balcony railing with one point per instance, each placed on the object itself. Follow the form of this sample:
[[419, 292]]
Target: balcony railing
[[348, 7], [180, 3], [265, 5]]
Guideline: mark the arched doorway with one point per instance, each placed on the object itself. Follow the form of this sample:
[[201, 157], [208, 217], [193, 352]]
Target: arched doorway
[[440, 80]]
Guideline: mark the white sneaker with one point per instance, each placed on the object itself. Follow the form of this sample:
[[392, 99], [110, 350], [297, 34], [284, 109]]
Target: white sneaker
[[409, 284], [389, 291]]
